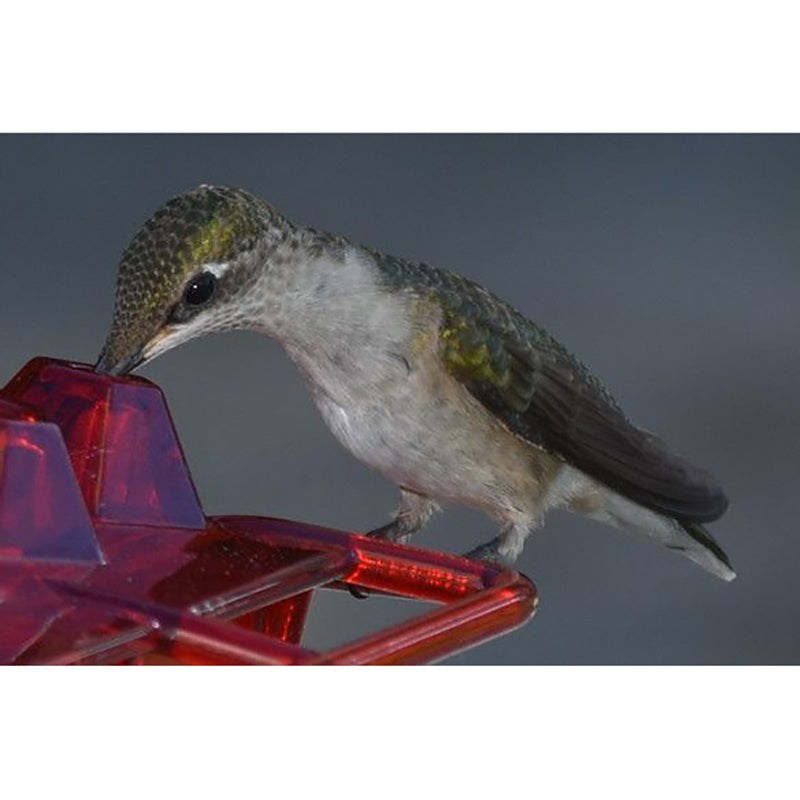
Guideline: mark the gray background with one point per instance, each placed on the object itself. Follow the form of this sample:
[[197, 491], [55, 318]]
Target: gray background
[[670, 264]]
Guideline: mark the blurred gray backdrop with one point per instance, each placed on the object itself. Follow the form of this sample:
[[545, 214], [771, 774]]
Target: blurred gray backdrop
[[669, 264]]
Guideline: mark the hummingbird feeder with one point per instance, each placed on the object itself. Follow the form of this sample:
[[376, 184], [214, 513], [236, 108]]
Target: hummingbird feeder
[[106, 556]]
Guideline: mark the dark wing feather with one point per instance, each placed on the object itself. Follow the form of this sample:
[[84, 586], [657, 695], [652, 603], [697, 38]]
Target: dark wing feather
[[543, 394]]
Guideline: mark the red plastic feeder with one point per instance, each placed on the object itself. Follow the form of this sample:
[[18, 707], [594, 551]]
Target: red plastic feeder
[[106, 555]]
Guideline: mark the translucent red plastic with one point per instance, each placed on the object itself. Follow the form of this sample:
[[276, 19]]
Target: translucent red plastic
[[34, 464], [106, 555], [120, 438]]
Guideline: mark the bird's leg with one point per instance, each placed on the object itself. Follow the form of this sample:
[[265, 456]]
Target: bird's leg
[[504, 548], [411, 515]]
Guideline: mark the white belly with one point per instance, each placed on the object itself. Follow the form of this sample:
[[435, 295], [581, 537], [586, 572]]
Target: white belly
[[371, 361], [433, 438]]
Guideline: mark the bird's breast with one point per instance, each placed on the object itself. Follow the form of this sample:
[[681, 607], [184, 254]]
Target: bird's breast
[[422, 430], [370, 358]]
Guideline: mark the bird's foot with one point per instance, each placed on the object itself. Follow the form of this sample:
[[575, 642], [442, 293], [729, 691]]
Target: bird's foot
[[412, 514], [390, 532], [394, 531], [358, 592], [490, 553], [414, 511]]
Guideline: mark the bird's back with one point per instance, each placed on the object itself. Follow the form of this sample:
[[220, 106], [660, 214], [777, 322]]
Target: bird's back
[[542, 393]]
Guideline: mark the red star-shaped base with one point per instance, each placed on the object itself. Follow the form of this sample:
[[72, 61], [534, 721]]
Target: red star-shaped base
[[106, 555]]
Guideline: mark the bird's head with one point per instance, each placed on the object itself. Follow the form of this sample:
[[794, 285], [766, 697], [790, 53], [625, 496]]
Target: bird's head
[[186, 273]]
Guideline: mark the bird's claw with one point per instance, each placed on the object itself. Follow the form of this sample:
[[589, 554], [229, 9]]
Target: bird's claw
[[358, 592], [487, 553], [386, 533]]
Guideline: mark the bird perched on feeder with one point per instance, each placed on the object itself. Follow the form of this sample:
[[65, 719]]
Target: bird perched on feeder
[[422, 374]]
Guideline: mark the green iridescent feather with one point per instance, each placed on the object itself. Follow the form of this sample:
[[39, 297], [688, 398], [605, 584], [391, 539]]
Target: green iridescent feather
[[543, 394], [483, 341]]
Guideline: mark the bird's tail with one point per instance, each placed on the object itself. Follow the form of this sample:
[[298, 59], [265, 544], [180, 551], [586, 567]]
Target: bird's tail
[[702, 548], [690, 539]]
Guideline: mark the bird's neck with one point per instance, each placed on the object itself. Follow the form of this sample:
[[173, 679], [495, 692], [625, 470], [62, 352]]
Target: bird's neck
[[325, 302]]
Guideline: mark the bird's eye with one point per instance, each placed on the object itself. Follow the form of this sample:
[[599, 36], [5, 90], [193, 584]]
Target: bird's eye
[[200, 289]]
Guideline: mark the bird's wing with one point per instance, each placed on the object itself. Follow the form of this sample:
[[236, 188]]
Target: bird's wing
[[544, 395]]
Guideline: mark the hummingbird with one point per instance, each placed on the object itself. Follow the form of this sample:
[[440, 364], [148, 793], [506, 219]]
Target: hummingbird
[[422, 374]]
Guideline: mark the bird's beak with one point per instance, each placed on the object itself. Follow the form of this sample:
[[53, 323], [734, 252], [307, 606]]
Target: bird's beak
[[114, 363], [113, 366]]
